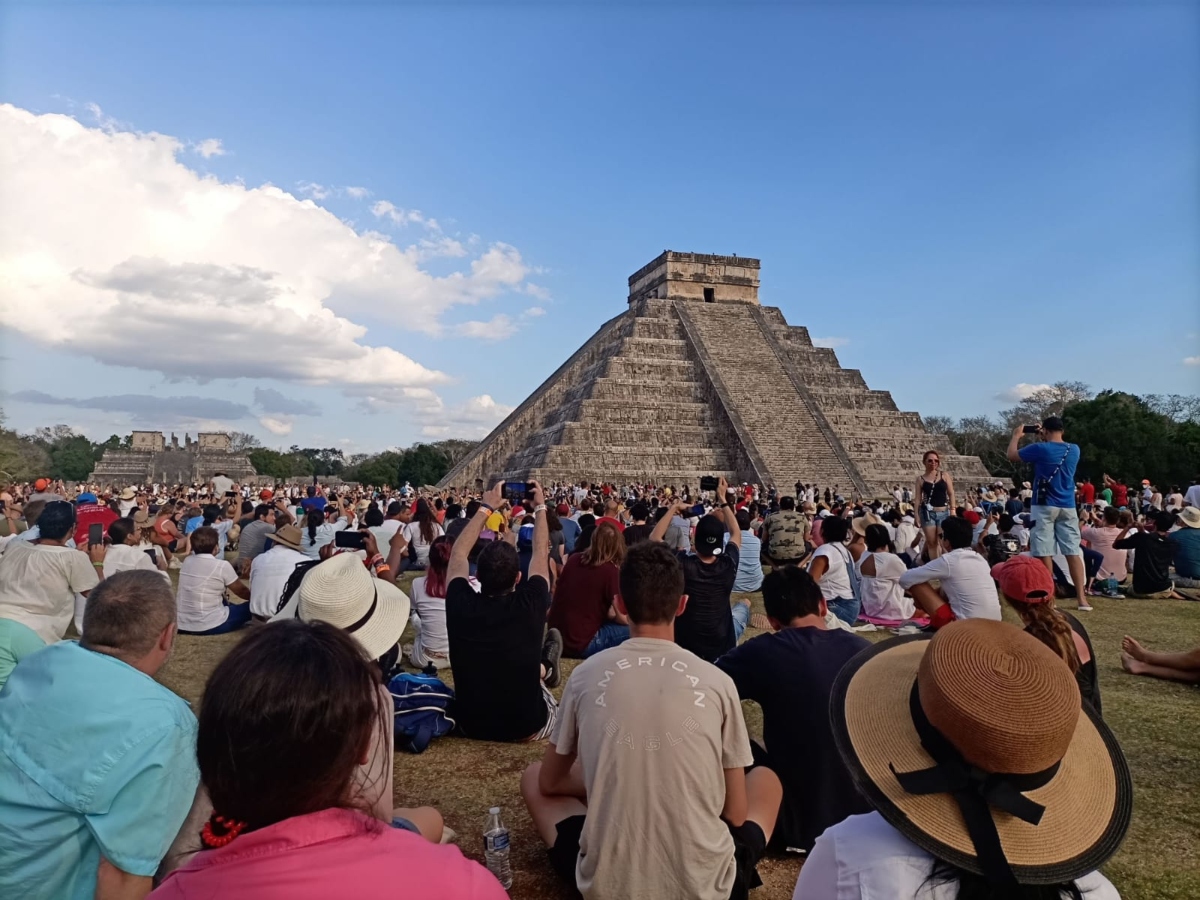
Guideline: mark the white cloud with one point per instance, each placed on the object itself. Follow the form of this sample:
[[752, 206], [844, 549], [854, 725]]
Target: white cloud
[[536, 291], [1191, 360], [276, 425], [534, 312], [472, 418], [440, 246], [312, 189], [1022, 391], [210, 147], [386, 209], [498, 328], [830, 342], [358, 193], [112, 247], [100, 117]]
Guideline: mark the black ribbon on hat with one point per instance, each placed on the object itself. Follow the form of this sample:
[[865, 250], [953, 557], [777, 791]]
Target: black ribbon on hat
[[350, 629], [975, 791]]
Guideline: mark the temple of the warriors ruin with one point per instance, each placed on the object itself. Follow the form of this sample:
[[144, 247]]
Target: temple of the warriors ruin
[[152, 459], [697, 378]]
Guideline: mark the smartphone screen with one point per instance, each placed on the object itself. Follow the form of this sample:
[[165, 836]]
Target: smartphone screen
[[153, 556], [1031, 429], [95, 534], [231, 493], [350, 540], [514, 491], [709, 483]]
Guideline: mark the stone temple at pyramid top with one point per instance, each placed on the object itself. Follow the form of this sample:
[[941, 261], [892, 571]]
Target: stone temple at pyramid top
[[696, 276], [697, 378]]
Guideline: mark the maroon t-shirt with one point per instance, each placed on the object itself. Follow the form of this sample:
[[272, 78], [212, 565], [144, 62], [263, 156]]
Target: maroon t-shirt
[[581, 601]]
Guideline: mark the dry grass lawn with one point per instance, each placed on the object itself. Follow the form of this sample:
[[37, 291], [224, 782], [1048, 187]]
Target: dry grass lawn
[[1157, 724]]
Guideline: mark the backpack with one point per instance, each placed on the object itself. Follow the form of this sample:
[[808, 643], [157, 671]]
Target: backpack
[[1001, 548], [420, 705]]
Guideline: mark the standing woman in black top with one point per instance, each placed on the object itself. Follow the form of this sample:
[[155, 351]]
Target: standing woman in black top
[[1028, 587], [933, 495]]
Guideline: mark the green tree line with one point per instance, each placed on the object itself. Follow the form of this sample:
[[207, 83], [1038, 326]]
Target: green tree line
[[1156, 436], [60, 452]]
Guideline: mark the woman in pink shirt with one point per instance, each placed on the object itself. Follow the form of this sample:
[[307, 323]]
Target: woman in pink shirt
[[1100, 537], [288, 717]]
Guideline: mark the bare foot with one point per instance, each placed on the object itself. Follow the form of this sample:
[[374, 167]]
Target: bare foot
[[1131, 665], [759, 621], [1133, 649]]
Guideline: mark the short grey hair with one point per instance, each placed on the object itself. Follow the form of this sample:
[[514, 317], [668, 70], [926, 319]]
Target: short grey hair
[[126, 613]]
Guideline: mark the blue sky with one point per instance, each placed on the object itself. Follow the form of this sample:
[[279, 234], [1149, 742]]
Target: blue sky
[[961, 199]]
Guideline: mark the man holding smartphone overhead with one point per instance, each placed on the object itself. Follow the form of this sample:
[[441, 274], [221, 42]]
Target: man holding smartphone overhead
[[1055, 520]]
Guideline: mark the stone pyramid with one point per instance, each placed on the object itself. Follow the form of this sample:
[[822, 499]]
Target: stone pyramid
[[696, 378]]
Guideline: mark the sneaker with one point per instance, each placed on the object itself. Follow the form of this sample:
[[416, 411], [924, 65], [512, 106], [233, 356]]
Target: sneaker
[[1085, 607], [552, 649]]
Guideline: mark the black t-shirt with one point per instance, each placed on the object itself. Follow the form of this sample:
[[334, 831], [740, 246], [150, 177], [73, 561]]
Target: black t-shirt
[[1151, 562], [706, 626], [496, 656], [636, 533], [790, 675]]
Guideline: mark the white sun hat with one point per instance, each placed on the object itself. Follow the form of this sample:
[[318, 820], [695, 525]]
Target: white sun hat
[[342, 592]]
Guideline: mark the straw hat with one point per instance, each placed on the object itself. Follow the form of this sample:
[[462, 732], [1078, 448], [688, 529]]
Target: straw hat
[[1190, 516], [128, 493], [860, 523], [985, 698], [341, 592], [288, 536]]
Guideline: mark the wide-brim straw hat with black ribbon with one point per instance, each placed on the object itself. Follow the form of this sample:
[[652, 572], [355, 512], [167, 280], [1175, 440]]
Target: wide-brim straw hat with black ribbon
[[975, 746], [342, 592]]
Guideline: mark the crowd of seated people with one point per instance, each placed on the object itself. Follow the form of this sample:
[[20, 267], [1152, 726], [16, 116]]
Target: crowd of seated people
[[292, 755]]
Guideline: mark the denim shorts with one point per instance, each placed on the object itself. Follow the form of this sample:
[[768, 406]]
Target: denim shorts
[[931, 518], [1055, 530], [405, 825]]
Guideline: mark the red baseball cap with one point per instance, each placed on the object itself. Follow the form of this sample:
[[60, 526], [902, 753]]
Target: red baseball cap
[[971, 516], [1025, 578], [41, 484], [563, 509], [266, 494]]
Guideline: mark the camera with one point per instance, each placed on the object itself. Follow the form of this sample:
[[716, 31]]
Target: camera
[[348, 540], [515, 492]]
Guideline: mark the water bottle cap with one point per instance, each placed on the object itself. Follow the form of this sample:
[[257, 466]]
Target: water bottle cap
[[494, 811]]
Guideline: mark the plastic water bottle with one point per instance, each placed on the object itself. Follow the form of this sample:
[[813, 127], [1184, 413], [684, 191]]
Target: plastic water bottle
[[495, 848]]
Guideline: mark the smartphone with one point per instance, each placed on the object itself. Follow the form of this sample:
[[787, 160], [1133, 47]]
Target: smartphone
[[515, 491], [349, 540], [95, 535], [231, 493], [153, 556], [709, 483], [1031, 429]]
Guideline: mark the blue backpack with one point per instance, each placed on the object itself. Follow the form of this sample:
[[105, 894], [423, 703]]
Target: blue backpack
[[421, 703]]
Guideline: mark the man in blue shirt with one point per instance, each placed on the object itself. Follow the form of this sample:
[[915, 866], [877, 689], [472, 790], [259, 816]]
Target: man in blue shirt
[[1186, 546], [97, 760], [1055, 520]]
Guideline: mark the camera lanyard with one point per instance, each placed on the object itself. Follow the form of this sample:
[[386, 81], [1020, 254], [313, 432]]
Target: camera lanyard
[[1050, 480]]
